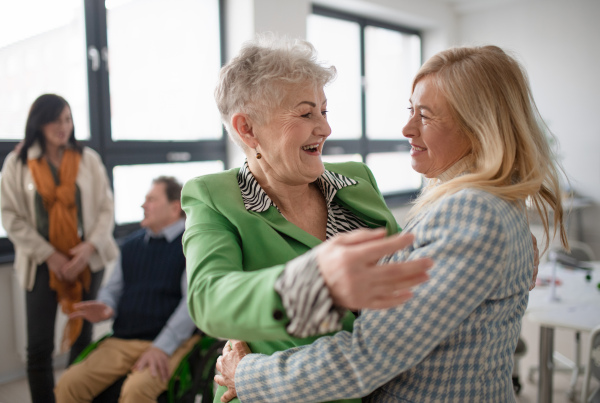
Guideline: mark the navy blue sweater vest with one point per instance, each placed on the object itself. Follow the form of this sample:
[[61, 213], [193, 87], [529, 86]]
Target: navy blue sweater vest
[[151, 286]]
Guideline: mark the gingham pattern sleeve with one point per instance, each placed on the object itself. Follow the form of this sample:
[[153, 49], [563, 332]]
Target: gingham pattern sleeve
[[465, 236]]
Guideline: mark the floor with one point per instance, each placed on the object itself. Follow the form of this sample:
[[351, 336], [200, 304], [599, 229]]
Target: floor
[[17, 391]]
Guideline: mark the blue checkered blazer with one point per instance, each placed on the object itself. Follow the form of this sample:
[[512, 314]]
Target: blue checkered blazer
[[452, 342]]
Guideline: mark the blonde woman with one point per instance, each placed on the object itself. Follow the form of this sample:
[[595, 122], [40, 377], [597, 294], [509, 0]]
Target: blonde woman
[[475, 136]]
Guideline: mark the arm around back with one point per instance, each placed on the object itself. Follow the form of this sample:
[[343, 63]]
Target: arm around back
[[473, 275], [235, 255]]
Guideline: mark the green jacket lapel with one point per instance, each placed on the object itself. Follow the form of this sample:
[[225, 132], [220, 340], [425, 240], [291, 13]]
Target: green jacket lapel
[[367, 204], [280, 224]]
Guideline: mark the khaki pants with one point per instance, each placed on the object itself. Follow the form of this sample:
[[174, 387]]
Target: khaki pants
[[112, 359]]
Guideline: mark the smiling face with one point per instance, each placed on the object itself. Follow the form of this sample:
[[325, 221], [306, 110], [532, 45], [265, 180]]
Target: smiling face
[[292, 140], [57, 133], [436, 140]]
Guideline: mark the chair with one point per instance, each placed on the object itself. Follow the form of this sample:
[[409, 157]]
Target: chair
[[193, 377], [592, 369], [580, 251], [577, 257], [520, 351]]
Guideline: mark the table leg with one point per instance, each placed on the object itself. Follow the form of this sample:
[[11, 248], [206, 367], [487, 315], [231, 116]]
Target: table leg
[[546, 364]]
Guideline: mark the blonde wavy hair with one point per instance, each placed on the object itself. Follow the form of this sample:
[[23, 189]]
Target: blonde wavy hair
[[489, 98]]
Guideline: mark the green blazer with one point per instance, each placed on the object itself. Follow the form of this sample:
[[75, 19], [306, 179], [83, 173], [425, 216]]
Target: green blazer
[[234, 256]]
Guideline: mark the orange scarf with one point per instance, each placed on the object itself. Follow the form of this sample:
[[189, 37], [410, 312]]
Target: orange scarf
[[59, 202]]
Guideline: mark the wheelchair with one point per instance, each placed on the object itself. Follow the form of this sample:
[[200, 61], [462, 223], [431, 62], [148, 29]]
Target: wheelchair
[[193, 376]]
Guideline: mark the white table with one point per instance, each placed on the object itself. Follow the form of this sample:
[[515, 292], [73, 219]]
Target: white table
[[577, 308]]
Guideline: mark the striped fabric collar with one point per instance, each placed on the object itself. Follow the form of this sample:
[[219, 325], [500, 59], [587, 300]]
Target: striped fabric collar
[[257, 200]]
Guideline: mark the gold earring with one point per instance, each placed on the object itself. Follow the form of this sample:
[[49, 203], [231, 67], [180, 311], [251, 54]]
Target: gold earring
[[258, 156]]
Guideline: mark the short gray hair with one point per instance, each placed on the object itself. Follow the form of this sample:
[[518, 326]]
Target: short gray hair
[[256, 79]]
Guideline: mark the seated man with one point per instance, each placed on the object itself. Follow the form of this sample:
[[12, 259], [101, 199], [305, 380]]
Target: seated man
[[146, 295]]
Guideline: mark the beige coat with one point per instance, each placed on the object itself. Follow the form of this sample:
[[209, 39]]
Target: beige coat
[[18, 213]]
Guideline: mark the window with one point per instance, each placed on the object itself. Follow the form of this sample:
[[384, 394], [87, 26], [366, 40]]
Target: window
[[139, 76], [367, 103], [41, 52], [170, 96]]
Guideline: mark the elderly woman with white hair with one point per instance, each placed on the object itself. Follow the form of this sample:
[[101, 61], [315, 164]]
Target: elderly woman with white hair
[[476, 135], [250, 230]]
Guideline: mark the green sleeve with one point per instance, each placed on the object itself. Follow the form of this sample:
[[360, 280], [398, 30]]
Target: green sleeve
[[224, 300]]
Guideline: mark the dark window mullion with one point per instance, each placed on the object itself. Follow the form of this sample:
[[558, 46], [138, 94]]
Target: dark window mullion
[[92, 32], [386, 146], [363, 97], [158, 156], [104, 76]]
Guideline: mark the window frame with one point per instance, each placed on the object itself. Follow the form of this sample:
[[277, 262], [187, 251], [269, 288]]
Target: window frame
[[119, 153], [364, 145]]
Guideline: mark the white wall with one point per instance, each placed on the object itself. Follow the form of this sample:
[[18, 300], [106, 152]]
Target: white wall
[[11, 364], [557, 41]]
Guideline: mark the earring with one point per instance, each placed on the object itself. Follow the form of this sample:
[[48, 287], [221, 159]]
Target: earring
[[258, 156]]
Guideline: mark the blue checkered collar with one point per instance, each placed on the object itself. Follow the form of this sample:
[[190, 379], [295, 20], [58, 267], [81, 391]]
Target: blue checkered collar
[[257, 200]]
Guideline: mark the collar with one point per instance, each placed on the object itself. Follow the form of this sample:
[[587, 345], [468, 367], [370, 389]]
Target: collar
[[459, 168], [35, 150], [170, 232], [257, 200]]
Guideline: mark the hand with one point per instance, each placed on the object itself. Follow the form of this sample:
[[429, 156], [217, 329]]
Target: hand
[[92, 311], [56, 263], [536, 262], [81, 256], [348, 264], [157, 360], [227, 364]]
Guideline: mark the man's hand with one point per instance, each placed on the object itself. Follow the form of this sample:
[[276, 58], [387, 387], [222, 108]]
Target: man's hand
[[92, 311], [81, 256], [56, 263], [349, 266], [157, 361]]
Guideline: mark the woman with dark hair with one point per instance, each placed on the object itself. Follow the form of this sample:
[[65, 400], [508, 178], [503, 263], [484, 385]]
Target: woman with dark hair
[[57, 209]]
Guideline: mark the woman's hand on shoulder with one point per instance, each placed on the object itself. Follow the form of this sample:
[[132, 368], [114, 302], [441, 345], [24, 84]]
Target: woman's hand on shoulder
[[349, 266]]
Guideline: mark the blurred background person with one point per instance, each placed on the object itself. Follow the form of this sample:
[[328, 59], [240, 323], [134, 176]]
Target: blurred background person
[[57, 209], [146, 296]]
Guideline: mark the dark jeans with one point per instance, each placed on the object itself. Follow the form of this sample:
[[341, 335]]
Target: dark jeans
[[41, 307]]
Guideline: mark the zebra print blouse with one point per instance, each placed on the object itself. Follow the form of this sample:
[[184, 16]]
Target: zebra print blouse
[[300, 285]]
